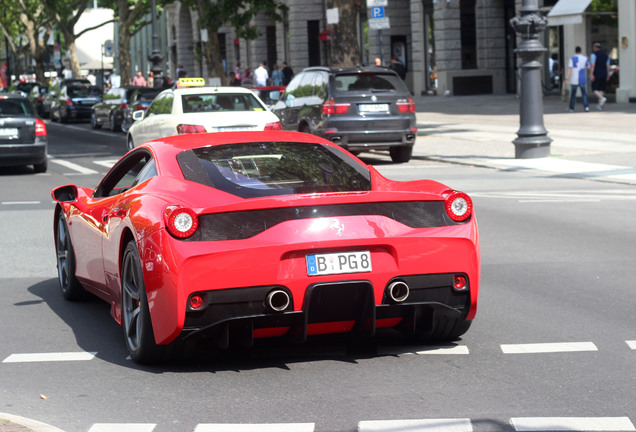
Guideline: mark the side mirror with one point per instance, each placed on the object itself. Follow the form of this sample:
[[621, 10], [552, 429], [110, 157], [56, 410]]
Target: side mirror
[[65, 194], [138, 115]]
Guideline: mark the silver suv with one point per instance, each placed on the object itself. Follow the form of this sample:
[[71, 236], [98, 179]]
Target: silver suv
[[364, 108]]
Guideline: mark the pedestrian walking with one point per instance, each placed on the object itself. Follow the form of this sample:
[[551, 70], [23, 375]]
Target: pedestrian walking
[[288, 73], [577, 77], [139, 80], [150, 82], [599, 75], [277, 76], [398, 67], [261, 76]]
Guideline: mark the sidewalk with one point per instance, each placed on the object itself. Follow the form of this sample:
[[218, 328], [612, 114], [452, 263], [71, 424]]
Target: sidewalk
[[479, 130], [12, 423]]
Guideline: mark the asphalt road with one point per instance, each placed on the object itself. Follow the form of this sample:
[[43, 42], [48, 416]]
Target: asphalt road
[[553, 346]]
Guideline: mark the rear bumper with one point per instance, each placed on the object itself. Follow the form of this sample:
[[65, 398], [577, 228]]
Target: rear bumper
[[22, 154]]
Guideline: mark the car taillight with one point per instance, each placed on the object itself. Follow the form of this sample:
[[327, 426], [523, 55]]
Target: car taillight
[[40, 128], [330, 107], [69, 102], [460, 282], [458, 206], [123, 106], [406, 106], [181, 222], [274, 126], [140, 107], [190, 129]]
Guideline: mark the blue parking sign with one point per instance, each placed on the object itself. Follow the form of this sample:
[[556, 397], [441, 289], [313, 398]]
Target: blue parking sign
[[377, 12]]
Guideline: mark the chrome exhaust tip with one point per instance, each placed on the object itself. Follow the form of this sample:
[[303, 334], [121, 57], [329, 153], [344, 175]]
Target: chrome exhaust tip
[[398, 291], [277, 300]]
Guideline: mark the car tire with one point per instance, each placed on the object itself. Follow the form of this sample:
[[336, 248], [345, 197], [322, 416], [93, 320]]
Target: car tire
[[444, 329], [69, 285], [63, 119], [130, 143], [40, 167], [124, 126], [136, 319], [94, 124], [113, 124], [401, 154]]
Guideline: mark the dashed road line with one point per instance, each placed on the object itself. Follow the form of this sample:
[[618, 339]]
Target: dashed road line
[[433, 350], [73, 166], [542, 348], [631, 344], [423, 425], [530, 424], [50, 357], [122, 427], [262, 427]]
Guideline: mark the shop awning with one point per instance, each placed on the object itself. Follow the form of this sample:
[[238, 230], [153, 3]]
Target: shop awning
[[567, 12]]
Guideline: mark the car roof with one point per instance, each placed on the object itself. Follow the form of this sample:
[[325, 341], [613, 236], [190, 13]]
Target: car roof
[[349, 70], [211, 89]]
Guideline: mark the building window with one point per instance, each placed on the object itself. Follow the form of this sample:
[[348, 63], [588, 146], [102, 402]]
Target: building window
[[468, 25], [313, 45]]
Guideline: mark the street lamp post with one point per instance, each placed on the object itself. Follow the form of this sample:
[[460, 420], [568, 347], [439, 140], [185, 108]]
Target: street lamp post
[[532, 140], [155, 56]]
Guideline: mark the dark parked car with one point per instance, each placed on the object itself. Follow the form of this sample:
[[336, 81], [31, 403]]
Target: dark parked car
[[24, 88], [54, 89], [115, 110], [23, 139], [364, 108], [74, 102], [36, 96]]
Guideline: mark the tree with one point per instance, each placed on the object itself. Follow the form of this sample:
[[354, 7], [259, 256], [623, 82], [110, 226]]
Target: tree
[[66, 13], [37, 28], [238, 14], [344, 47]]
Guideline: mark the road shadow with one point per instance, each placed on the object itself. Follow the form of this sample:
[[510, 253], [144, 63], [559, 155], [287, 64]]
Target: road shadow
[[96, 331]]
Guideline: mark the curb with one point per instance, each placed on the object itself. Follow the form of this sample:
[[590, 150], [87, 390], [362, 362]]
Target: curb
[[13, 423]]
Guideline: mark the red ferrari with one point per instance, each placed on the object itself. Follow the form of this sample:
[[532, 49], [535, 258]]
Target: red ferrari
[[226, 237]]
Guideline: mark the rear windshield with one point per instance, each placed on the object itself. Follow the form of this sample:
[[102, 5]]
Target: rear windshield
[[357, 82], [83, 91], [263, 169], [16, 107], [220, 102]]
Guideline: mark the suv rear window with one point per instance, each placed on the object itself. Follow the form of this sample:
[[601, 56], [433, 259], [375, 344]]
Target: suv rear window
[[357, 82], [263, 169], [16, 107]]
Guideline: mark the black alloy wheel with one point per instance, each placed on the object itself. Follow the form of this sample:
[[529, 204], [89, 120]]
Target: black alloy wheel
[[113, 123], [94, 123], [69, 285]]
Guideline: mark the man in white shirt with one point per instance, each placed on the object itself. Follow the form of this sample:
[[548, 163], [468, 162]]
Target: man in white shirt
[[261, 76], [577, 76]]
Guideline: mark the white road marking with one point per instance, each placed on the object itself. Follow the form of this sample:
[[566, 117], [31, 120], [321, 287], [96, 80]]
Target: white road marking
[[536, 348], [424, 425], [262, 427], [563, 196], [122, 427], [20, 202], [631, 344], [107, 163], [75, 167], [572, 424], [432, 350], [49, 357]]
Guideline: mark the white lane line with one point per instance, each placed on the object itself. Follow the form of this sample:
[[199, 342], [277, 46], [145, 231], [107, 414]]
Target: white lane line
[[424, 425], [631, 344], [262, 427], [20, 202], [432, 350], [106, 163], [122, 427], [526, 424], [75, 167], [49, 357], [548, 347]]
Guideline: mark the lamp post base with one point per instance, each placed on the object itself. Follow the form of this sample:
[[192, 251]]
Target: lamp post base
[[531, 148]]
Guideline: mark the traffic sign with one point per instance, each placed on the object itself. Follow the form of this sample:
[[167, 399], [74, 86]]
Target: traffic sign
[[372, 3], [379, 23], [377, 12], [108, 48]]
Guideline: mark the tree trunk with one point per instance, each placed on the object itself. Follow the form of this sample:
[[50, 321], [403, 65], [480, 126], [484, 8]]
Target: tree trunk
[[212, 52], [124, 55], [344, 45]]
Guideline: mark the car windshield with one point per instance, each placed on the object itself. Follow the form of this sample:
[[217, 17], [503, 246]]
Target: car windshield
[[84, 91], [16, 107], [220, 102], [357, 82], [264, 169]]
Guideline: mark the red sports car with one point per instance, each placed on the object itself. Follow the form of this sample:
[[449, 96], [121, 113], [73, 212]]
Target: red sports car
[[224, 237]]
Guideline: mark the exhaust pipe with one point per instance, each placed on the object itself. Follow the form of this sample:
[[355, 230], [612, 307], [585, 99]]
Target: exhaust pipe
[[397, 291], [277, 300]]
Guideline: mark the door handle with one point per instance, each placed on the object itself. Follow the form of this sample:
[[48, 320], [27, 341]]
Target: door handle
[[117, 213]]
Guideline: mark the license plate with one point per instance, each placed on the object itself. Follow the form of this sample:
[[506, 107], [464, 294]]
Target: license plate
[[9, 132], [373, 107], [235, 129], [338, 263]]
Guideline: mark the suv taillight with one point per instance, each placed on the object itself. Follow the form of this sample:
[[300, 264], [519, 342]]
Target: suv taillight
[[69, 102], [330, 107], [406, 106], [274, 126]]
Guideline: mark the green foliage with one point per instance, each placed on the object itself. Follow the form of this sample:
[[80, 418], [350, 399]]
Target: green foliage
[[603, 6]]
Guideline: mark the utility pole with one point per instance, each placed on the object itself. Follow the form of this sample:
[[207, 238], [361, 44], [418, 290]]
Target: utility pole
[[532, 138], [155, 56]]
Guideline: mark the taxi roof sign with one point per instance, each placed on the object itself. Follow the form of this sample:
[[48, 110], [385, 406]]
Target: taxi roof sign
[[190, 82]]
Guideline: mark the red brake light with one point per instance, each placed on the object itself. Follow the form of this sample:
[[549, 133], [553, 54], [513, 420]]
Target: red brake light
[[458, 206], [189, 129], [407, 106], [182, 222], [69, 102], [40, 128], [274, 126], [331, 107], [140, 107], [123, 106], [460, 282]]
